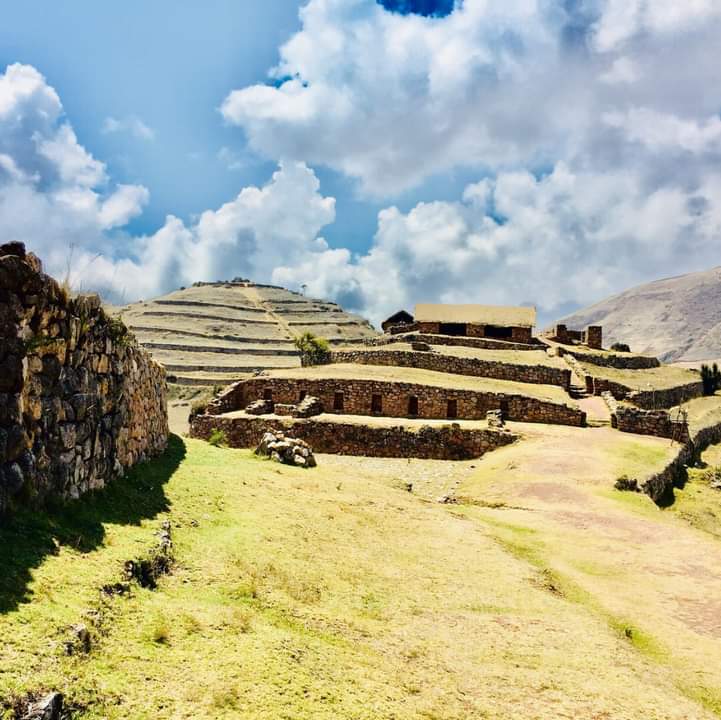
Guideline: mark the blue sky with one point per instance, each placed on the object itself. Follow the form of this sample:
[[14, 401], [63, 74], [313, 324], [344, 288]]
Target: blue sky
[[381, 153]]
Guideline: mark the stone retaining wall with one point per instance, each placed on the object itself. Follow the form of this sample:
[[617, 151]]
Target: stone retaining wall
[[517, 334], [475, 367], [620, 361], [446, 442], [79, 400], [455, 341], [647, 399], [659, 423], [395, 400]]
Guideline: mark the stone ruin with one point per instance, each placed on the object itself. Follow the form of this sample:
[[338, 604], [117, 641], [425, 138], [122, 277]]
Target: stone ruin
[[80, 402]]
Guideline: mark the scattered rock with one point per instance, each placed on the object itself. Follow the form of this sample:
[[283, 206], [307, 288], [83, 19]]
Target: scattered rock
[[495, 419], [80, 642], [447, 500], [286, 450], [309, 406], [420, 346], [48, 707], [260, 407]]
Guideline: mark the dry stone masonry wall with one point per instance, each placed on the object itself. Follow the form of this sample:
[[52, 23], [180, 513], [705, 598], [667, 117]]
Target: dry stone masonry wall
[[440, 442], [394, 399], [456, 341], [475, 367], [79, 401]]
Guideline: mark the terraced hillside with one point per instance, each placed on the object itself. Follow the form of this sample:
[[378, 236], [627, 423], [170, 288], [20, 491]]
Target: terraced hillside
[[214, 333]]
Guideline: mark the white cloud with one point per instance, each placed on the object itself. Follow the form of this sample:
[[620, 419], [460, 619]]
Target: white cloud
[[666, 132], [132, 125], [569, 237], [392, 99]]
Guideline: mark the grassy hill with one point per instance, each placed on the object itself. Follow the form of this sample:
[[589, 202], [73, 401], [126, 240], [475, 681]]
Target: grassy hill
[[213, 333], [336, 593], [676, 319]]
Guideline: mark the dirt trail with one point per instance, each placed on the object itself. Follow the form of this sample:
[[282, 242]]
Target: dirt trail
[[642, 567], [254, 296]]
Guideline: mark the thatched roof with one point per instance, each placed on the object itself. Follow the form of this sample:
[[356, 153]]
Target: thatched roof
[[498, 315]]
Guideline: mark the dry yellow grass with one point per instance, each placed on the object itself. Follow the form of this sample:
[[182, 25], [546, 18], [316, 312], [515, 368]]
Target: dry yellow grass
[[666, 376]]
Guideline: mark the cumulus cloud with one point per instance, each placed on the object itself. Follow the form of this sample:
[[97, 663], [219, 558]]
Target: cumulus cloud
[[391, 99], [58, 199], [131, 125], [553, 241]]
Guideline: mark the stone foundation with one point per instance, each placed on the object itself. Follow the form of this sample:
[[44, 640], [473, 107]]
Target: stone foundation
[[394, 399], [442, 442], [474, 367], [79, 400]]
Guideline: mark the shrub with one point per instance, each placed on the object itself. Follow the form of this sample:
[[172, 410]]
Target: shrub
[[198, 408], [620, 347], [711, 379], [625, 484], [313, 350], [218, 438]]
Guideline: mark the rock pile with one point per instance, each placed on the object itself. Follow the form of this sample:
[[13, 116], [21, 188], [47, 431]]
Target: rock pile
[[308, 407], [287, 450]]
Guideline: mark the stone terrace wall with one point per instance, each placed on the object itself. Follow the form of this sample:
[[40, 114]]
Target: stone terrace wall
[[79, 401], [447, 442], [535, 374], [647, 399], [646, 422], [518, 334], [395, 398], [620, 361], [457, 341]]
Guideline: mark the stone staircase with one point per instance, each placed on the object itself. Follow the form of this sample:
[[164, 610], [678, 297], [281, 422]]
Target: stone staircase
[[596, 409]]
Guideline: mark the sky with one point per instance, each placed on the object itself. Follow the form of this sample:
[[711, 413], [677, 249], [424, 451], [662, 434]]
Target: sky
[[380, 152]]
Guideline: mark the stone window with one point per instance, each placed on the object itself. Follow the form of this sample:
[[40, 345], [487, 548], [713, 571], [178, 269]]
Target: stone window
[[302, 395], [377, 404], [452, 411], [413, 406], [338, 402], [267, 394]]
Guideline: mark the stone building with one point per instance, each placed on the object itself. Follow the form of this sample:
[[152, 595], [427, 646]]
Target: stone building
[[592, 336], [497, 322], [397, 322]]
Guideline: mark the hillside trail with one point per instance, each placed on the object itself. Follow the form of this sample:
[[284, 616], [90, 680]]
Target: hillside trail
[[254, 297], [638, 565]]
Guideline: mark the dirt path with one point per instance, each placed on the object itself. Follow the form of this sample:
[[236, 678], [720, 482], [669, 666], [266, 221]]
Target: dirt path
[[646, 570]]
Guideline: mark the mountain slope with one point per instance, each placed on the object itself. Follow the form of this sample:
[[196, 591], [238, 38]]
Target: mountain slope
[[677, 319], [212, 333]]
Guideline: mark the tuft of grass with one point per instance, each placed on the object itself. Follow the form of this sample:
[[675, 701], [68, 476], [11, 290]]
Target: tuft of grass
[[159, 630], [218, 438]]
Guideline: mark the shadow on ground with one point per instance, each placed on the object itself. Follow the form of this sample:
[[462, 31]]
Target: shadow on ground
[[28, 537]]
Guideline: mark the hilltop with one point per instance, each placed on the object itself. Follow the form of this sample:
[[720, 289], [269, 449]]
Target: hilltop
[[676, 319], [213, 333]]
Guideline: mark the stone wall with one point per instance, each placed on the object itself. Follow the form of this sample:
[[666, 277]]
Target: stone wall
[[647, 399], [440, 442], [475, 367], [518, 334], [659, 423], [79, 400], [395, 400], [620, 361], [454, 341]]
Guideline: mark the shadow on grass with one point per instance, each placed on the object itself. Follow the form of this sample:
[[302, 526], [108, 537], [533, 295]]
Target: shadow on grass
[[27, 537]]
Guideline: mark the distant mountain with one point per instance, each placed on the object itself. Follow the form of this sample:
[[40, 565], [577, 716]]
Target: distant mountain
[[677, 319], [215, 333]]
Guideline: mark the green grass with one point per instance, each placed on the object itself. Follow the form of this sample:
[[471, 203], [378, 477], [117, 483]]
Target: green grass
[[660, 378], [331, 594]]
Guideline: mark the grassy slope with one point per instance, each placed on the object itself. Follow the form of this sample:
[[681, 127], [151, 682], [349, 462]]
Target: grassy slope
[[336, 594]]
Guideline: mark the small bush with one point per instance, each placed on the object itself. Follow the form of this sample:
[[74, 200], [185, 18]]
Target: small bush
[[198, 407], [314, 350], [711, 379], [620, 347], [218, 438], [626, 484], [160, 630]]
